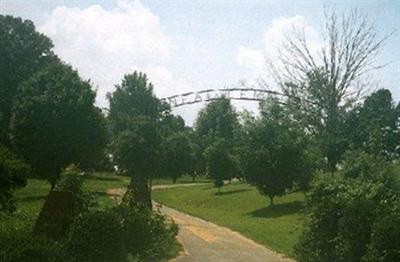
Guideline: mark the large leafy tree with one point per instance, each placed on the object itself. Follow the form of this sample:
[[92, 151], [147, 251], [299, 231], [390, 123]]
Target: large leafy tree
[[273, 152], [374, 125], [136, 120], [23, 52], [55, 122], [217, 122], [178, 155]]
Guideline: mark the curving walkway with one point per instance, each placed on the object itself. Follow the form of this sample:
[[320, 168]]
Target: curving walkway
[[204, 241]]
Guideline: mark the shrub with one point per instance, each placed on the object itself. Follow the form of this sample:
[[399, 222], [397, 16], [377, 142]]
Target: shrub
[[148, 234], [111, 234], [13, 174], [385, 236], [72, 180], [97, 236], [345, 212], [19, 244], [63, 204]]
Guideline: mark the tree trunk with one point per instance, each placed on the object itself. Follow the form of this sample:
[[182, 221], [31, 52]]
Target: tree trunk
[[138, 193], [271, 201]]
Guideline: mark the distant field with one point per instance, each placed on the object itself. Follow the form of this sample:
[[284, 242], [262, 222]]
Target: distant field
[[241, 208]]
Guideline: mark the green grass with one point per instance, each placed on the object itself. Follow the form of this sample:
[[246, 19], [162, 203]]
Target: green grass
[[99, 183], [241, 208], [30, 199], [185, 179]]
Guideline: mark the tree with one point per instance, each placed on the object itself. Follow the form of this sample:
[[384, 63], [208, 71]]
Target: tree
[[216, 127], [327, 83], [135, 118], [13, 173], [220, 163], [55, 122], [373, 126], [23, 52], [178, 155], [217, 120], [198, 167], [273, 152]]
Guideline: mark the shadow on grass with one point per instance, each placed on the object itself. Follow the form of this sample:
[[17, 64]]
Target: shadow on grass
[[31, 198], [103, 178], [224, 193], [279, 210]]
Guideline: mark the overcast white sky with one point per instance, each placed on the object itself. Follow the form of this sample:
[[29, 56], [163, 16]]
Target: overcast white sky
[[188, 46]]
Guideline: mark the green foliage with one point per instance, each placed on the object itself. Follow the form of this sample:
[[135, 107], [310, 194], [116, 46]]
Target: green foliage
[[23, 52], [374, 126], [63, 204], [320, 106], [148, 234], [346, 210], [136, 149], [217, 120], [385, 235], [216, 129], [221, 164], [96, 236], [273, 154], [178, 155], [134, 98], [55, 122], [72, 180], [13, 173], [135, 119], [111, 234], [19, 244]]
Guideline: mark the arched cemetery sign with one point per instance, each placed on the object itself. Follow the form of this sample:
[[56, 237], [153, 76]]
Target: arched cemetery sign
[[249, 94]]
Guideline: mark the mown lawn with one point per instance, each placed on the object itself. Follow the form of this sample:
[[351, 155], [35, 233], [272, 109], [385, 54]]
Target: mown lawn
[[241, 208]]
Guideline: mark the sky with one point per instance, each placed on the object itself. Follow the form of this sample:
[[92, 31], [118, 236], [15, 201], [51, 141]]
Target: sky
[[193, 45]]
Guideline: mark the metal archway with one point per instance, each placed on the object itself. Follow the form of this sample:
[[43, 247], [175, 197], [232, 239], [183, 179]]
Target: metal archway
[[248, 94]]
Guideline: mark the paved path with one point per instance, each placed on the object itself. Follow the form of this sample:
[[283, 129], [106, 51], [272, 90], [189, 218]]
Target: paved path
[[207, 242]]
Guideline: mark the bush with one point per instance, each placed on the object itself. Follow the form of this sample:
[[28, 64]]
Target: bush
[[111, 234], [148, 234], [72, 180], [19, 244], [345, 212], [385, 236], [63, 204], [13, 174], [97, 236]]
